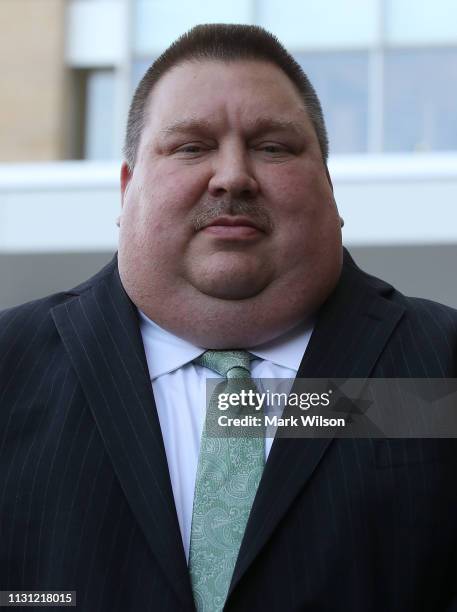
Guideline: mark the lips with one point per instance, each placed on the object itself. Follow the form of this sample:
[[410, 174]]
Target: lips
[[233, 222], [234, 228]]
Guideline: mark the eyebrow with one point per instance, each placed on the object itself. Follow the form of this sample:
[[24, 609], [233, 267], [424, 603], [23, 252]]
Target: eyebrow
[[256, 127], [186, 125], [267, 124]]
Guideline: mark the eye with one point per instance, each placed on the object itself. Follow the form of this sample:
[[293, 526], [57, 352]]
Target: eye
[[192, 148], [189, 149], [273, 148]]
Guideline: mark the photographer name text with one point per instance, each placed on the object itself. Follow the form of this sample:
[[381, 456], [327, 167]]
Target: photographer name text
[[276, 421]]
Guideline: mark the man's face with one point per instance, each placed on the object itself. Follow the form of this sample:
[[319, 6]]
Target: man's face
[[228, 207]]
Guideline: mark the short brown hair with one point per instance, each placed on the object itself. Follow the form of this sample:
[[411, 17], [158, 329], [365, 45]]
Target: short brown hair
[[223, 42]]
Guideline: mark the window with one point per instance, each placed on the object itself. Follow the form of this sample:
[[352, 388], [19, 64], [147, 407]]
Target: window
[[317, 24], [93, 102], [157, 23], [420, 107], [341, 82]]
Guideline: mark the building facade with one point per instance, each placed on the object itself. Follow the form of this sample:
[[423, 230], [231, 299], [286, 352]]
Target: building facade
[[386, 73]]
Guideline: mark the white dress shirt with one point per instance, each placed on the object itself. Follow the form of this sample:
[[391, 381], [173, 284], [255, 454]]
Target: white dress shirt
[[179, 388]]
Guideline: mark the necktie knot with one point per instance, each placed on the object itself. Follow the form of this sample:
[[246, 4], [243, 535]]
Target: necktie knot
[[229, 364]]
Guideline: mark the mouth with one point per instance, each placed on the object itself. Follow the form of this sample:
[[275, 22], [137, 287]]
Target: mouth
[[233, 227]]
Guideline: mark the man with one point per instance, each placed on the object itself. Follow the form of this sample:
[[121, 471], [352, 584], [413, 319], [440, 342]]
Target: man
[[230, 245]]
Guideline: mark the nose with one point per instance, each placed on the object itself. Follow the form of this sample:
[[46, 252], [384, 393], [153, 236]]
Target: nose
[[232, 174]]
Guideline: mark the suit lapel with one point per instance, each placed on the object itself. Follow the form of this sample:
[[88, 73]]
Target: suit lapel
[[100, 332], [350, 333]]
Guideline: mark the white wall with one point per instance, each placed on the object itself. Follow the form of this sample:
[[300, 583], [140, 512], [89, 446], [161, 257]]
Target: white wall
[[385, 200], [391, 204]]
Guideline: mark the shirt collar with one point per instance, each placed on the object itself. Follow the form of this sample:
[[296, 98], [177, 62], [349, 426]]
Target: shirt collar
[[166, 352], [287, 350]]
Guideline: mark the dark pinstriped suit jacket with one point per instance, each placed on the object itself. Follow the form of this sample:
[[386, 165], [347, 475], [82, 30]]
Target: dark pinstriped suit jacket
[[336, 526]]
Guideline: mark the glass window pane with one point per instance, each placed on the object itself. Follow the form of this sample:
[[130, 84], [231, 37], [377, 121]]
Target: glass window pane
[[159, 23], [99, 129], [318, 24], [410, 21], [341, 82], [420, 100]]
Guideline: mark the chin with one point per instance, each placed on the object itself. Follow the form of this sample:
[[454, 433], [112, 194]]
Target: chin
[[231, 291], [230, 276], [232, 286]]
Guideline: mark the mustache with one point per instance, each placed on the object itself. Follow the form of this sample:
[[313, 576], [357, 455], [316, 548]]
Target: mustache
[[208, 211]]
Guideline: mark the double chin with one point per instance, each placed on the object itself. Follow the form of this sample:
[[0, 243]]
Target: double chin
[[235, 280]]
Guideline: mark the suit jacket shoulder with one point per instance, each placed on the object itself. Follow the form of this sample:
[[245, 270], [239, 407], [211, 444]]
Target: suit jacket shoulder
[[29, 317], [28, 330], [425, 336]]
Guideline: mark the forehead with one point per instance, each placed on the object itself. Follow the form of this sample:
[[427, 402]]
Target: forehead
[[234, 91]]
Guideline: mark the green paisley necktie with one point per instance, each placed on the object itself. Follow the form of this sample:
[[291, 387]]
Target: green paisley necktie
[[228, 474]]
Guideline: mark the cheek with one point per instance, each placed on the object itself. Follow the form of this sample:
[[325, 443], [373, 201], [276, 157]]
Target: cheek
[[172, 192], [158, 207], [303, 212], [299, 197]]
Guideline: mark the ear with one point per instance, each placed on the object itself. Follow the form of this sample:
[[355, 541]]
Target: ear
[[126, 175]]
